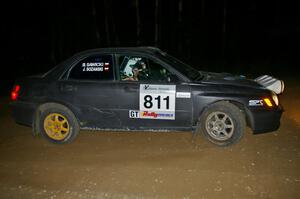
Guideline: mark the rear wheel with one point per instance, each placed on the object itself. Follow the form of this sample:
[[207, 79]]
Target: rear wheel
[[58, 124], [222, 123]]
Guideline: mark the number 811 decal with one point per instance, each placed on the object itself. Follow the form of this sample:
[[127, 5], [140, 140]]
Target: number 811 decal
[[149, 104], [156, 102]]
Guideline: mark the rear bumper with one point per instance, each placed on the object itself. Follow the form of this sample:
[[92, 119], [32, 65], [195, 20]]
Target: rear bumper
[[263, 121], [23, 112]]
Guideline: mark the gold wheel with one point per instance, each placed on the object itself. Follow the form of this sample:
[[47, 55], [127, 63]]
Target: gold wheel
[[56, 126]]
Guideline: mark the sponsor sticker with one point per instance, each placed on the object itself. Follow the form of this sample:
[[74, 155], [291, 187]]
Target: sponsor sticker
[[256, 103], [183, 95]]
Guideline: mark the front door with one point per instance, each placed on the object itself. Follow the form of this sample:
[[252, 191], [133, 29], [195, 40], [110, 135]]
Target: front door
[[150, 96]]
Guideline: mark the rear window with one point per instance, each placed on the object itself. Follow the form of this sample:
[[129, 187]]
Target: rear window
[[96, 67]]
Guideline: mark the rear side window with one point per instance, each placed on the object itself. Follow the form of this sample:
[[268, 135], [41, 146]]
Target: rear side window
[[96, 67]]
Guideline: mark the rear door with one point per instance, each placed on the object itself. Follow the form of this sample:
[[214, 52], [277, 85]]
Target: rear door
[[90, 89]]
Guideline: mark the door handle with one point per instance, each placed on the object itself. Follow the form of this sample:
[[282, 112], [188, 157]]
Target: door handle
[[130, 89], [68, 87]]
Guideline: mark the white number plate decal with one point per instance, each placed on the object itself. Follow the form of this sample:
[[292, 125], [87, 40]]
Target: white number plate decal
[[157, 101]]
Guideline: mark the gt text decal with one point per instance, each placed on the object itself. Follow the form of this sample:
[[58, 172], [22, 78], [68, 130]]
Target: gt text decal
[[134, 114]]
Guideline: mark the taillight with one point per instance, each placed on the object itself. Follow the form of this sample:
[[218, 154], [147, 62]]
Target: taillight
[[15, 93]]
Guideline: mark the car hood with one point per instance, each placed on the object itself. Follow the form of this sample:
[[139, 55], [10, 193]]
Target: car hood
[[229, 79]]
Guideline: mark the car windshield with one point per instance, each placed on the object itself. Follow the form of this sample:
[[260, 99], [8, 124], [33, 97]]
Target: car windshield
[[180, 66]]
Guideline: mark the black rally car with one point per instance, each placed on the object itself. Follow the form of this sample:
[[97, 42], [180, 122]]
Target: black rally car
[[143, 88]]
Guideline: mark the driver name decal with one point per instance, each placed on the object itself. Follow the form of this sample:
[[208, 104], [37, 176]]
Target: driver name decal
[[94, 66]]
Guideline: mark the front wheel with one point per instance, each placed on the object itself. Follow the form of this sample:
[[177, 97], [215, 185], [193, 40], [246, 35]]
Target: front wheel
[[222, 123], [58, 124]]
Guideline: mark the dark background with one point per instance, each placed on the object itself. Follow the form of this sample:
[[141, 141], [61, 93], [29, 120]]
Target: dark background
[[252, 37]]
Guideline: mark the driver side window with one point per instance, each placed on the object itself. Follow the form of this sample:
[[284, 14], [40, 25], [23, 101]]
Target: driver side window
[[137, 68]]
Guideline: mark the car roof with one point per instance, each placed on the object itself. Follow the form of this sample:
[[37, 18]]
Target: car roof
[[141, 49]]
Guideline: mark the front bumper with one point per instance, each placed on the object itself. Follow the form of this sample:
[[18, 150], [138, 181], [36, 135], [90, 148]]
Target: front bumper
[[23, 112], [264, 120]]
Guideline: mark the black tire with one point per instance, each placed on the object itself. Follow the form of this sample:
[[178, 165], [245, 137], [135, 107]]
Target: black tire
[[222, 123], [65, 119]]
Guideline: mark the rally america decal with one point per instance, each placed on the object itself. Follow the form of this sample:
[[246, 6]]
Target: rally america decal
[[156, 102]]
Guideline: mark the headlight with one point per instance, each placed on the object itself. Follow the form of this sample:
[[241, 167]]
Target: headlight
[[282, 86], [275, 98]]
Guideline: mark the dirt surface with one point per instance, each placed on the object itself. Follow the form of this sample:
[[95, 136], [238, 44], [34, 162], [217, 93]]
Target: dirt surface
[[152, 165]]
